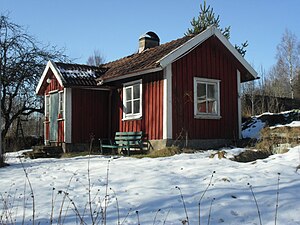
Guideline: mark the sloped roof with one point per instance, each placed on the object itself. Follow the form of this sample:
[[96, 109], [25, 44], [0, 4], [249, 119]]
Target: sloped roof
[[144, 61], [70, 75], [159, 57], [79, 75]]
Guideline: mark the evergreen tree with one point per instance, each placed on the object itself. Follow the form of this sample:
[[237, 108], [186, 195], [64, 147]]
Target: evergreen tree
[[208, 18]]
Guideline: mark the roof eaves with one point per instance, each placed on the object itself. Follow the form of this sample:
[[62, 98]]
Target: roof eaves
[[237, 55], [186, 47], [130, 75], [58, 74], [199, 39]]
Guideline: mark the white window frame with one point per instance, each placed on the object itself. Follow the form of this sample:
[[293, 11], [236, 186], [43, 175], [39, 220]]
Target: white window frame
[[206, 115], [132, 116]]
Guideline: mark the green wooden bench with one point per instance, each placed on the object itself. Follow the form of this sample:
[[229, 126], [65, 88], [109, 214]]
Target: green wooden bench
[[123, 141]]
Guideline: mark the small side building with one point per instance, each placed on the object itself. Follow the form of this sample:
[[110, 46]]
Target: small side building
[[75, 107]]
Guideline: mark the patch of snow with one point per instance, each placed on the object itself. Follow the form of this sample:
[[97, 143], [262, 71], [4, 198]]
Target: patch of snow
[[292, 124], [233, 152], [253, 131]]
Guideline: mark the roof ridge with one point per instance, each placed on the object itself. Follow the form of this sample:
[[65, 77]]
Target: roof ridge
[[79, 65], [149, 49]]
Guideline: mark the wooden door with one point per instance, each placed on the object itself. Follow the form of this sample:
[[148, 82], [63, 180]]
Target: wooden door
[[53, 116]]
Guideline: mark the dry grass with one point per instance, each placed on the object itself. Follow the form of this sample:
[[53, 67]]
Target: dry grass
[[278, 135], [165, 152]]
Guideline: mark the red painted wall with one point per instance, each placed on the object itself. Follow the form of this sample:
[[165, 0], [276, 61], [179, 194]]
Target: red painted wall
[[209, 60], [90, 111], [151, 122]]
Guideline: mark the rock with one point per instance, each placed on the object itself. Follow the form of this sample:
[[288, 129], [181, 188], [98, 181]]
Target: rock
[[251, 155]]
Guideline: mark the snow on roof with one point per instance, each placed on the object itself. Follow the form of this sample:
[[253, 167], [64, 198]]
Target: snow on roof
[[79, 75]]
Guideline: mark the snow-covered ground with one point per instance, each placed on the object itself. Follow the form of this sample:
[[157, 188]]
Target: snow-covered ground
[[148, 186]]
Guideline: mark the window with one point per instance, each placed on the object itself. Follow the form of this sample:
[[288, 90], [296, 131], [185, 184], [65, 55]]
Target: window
[[132, 100], [206, 98], [61, 105]]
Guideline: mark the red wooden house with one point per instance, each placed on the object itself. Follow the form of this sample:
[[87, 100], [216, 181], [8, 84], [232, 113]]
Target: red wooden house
[[184, 91]]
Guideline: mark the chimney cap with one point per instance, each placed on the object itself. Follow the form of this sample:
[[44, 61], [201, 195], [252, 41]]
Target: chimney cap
[[151, 35], [148, 40]]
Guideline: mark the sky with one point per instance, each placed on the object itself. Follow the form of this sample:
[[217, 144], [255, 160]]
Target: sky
[[114, 26]]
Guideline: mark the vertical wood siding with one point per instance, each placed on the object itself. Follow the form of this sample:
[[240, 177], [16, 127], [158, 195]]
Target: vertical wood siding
[[53, 86], [209, 60], [90, 109], [151, 122]]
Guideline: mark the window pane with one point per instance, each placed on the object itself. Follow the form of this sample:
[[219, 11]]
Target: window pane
[[128, 94], [128, 109], [201, 90], [136, 106], [136, 91], [211, 91], [201, 106], [212, 107]]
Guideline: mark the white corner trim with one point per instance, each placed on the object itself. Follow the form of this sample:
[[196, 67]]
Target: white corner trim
[[199, 39], [45, 114], [239, 106], [50, 65], [68, 115], [167, 103]]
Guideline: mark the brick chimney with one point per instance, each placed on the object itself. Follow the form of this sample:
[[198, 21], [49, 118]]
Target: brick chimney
[[148, 40]]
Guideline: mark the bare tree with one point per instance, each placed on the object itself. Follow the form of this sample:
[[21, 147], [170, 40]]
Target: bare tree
[[288, 61], [297, 85], [21, 63], [96, 59]]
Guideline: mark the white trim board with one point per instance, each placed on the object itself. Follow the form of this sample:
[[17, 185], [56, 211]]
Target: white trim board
[[100, 82], [68, 115], [239, 106], [167, 103]]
